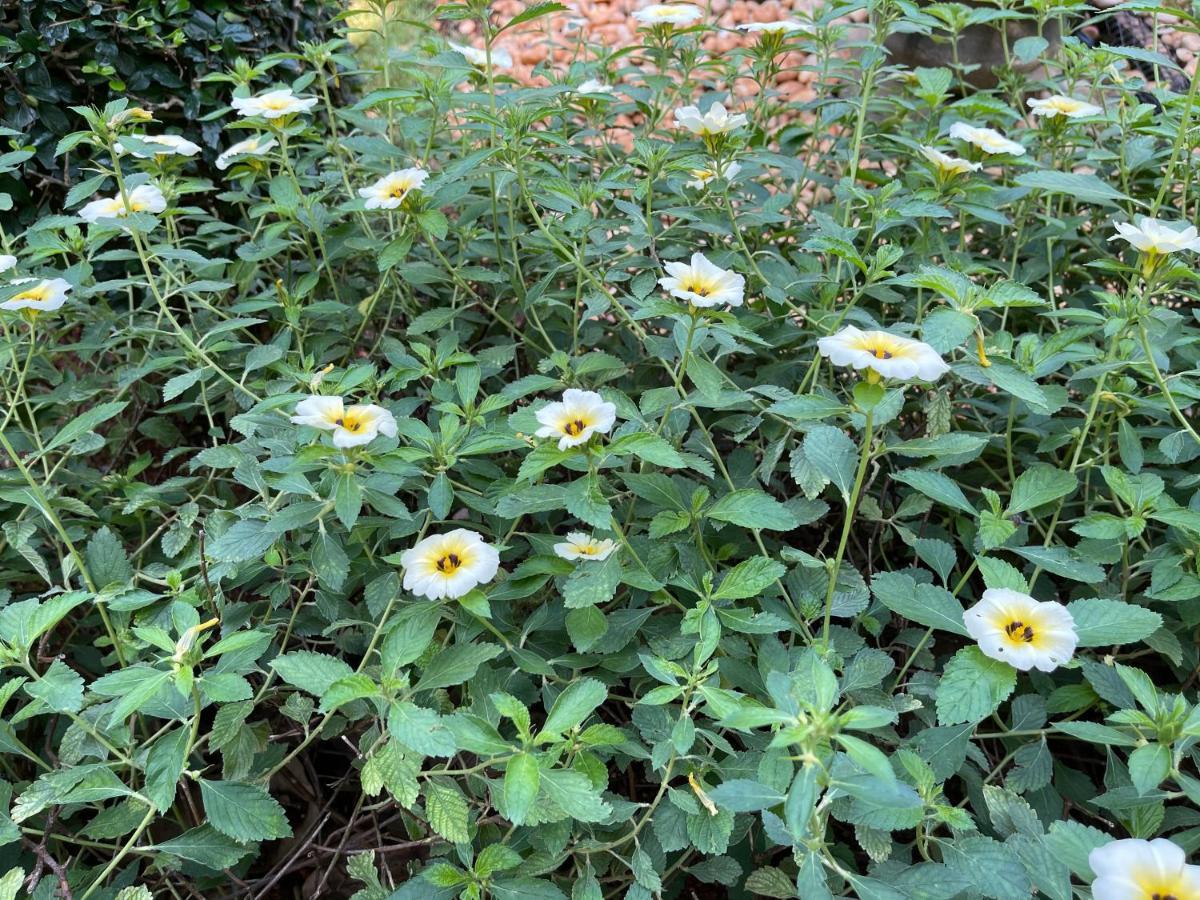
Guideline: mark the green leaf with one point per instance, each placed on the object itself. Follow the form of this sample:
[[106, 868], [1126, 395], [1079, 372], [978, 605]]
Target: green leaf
[[244, 812], [446, 810], [753, 509], [834, 455], [421, 730], [521, 783], [164, 766], [456, 664], [924, 604], [60, 688], [106, 559], [82, 424], [572, 792], [936, 486], [242, 541], [1100, 622], [206, 846], [745, 795], [1149, 766], [749, 578], [1081, 187], [1038, 486], [972, 687], [649, 447], [1061, 561], [310, 671], [573, 705]]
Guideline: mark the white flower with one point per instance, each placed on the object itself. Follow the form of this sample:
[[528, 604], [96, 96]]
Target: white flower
[[1023, 632], [668, 14], [889, 355], [390, 190], [1156, 236], [1058, 105], [501, 58], [575, 418], [986, 139], [1133, 869], [786, 26], [594, 86], [146, 198], [7, 262], [583, 546], [716, 121], [172, 145], [449, 565], [352, 426], [251, 146], [703, 284], [273, 104], [46, 295], [703, 176], [952, 165]]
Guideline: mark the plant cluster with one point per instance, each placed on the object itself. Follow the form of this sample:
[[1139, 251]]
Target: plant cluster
[[779, 501]]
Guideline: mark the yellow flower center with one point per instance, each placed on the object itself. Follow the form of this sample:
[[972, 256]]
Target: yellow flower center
[[587, 549], [399, 189], [39, 294], [351, 422], [1019, 633], [574, 427], [449, 564], [882, 346], [698, 285], [277, 102]]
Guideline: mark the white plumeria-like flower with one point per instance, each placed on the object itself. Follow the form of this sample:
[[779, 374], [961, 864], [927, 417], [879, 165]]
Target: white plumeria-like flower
[[786, 26], [579, 545], [888, 355], [352, 426], [668, 14], [43, 296], [1023, 632], [1058, 105], [594, 87], [703, 176], [390, 190], [1134, 869], [716, 121], [7, 261], [951, 165], [171, 144], [501, 58], [1156, 236], [449, 565], [986, 139], [273, 104], [702, 283], [251, 146], [145, 198], [575, 418]]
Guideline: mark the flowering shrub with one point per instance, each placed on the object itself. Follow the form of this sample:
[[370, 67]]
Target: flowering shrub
[[772, 501]]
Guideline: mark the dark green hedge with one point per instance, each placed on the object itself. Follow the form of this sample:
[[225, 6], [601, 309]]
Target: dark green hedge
[[55, 54]]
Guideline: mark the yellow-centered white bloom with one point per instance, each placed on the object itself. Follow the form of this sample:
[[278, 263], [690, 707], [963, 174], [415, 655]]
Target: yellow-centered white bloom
[[986, 139], [187, 640], [273, 104], [579, 545], [786, 26], [701, 177], [147, 198], [575, 418], [668, 14], [251, 146], [352, 426], [42, 296], [951, 165], [593, 87], [133, 114], [501, 58], [1156, 236], [170, 144], [1058, 105], [716, 121], [702, 283], [390, 190], [7, 261], [1134, 869], [449, 565], [888, 355], [1023, 632]]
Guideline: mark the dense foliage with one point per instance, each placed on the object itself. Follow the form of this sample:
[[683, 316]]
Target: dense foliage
[[496, 504], [65, 53]]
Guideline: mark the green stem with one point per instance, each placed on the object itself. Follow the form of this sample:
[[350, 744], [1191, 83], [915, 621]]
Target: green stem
[[851, 505]]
